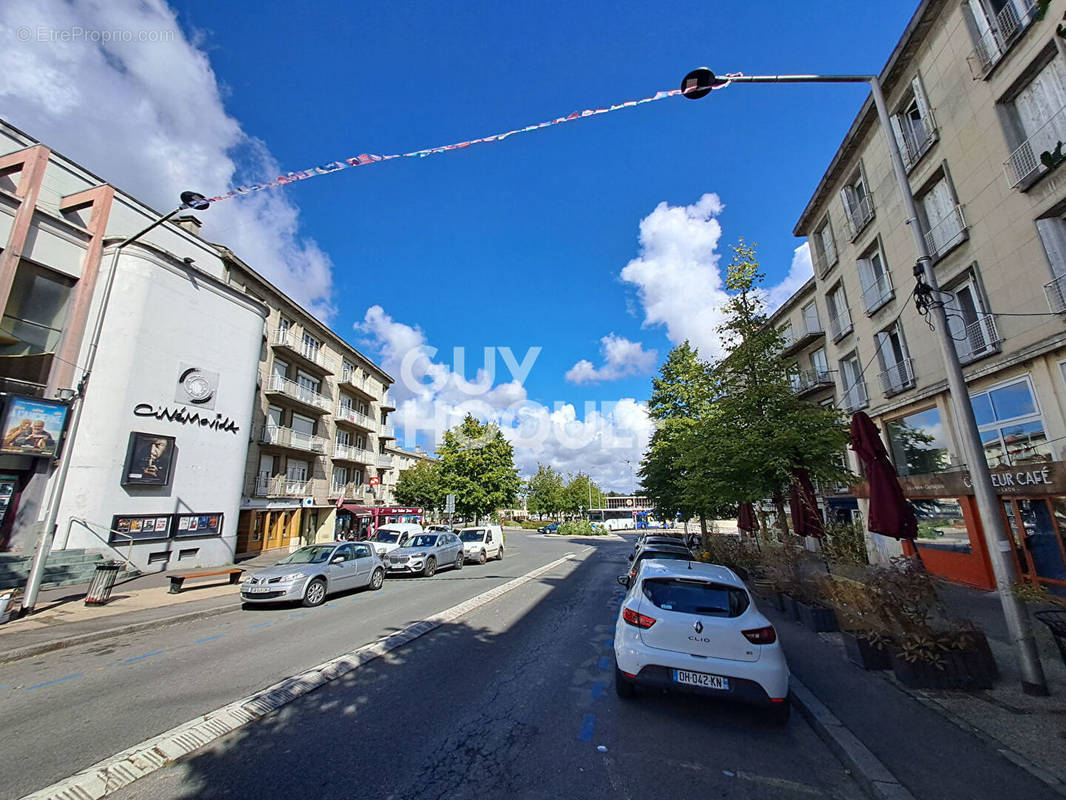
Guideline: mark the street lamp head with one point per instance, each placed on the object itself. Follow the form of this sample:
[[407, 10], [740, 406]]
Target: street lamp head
[[699, 83], [194, 200]]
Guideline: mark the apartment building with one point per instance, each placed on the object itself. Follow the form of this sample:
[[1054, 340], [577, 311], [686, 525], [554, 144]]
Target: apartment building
[[977, 94], [399, 460], [320, 432]]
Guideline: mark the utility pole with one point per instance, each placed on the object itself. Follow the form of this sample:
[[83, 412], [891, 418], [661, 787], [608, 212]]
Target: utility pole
[[701, 82]]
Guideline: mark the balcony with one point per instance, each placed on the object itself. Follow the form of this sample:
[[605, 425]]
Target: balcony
[[293, 440], [385, 461], [349, 490], [945, 234], [855, 397], [350, 379], [918, 136], [357, 455], [309, 353], [840, 325], [995, 43], [877, 293], [978, 339], [858, 216], [807, 332], [1024, 164], [292, 390], [823, 253], [281, 486], [387, 430], [345, 415], [1056, 295], [899, 377], [809, 381]]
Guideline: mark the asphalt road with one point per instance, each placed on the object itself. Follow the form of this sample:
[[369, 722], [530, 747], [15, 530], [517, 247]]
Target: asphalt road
[[67, 710], [512, 700]]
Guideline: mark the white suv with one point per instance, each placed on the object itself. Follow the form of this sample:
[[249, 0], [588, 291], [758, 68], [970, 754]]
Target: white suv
[[695, 627], [482, 543]]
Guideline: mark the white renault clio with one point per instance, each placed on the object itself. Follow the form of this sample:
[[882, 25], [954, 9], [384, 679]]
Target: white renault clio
[[694, 627]]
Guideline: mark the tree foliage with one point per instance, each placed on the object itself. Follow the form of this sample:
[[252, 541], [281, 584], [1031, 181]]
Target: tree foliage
[[420, 485], [580, 491], [477, 466], [544, 491]]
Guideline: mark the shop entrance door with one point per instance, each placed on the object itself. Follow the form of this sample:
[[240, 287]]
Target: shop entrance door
[[1036, 526]]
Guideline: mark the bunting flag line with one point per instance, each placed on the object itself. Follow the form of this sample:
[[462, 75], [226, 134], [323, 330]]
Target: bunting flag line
[[366, 158]]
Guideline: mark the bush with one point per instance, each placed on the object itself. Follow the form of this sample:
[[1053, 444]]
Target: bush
[[581, 528], [845, 543], [729, 551]]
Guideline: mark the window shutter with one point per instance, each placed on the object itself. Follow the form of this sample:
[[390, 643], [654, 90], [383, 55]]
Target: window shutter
[[866, 274], [922, 103], [846, 199], [828, 245], [897, 131]]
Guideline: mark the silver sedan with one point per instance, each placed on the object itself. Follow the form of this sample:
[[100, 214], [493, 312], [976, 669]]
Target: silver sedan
[[310, 573], [426, 553]]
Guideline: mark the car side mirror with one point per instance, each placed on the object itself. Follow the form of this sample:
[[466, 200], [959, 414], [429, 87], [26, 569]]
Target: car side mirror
[[630, 556], [623, 580], [337, 560]]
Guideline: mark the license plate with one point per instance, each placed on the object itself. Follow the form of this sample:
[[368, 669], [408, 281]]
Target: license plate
[[701, 679], [256, 590]]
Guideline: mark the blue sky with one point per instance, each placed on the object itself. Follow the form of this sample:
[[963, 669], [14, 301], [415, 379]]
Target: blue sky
[[519, 243]]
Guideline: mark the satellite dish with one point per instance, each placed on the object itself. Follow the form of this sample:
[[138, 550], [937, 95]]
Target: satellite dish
[[699, 83], [195, 200]]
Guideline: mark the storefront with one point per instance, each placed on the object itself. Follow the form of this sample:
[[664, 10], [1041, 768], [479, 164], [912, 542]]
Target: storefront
[[268, 529], [357, 522]]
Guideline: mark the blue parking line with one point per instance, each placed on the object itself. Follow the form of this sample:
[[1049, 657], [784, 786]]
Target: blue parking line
[[609, 644], [57, 680], [297, 614], [138, 658], [260, 625], [605, 662], [588, 725], [209, 638], [598, 689]]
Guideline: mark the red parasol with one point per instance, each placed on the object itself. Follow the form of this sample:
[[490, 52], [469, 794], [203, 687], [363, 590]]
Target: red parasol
[[890, 514], [746, 518], [803, 504]]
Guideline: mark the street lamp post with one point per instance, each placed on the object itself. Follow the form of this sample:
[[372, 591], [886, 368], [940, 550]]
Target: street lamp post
[[701, 82], [44, 544]]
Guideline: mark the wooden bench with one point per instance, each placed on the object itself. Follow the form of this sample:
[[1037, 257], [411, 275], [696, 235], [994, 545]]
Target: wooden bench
[[177, 580]]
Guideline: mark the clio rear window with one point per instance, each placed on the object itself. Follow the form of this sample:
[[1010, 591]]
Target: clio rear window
[[689, 596]]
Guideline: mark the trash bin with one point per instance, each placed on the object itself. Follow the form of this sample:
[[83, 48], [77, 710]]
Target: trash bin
[[102, 584], [1056, 622]]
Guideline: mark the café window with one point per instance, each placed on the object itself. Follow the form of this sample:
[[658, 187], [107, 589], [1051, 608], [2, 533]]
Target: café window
[[941, 525], [918, 443], [33, 322], [1010, 424]]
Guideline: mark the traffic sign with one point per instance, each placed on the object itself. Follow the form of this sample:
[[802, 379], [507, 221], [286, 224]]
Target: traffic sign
[[449, 504]]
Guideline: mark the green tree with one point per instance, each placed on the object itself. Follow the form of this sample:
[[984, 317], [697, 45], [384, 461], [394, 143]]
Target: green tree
[[477, 466], [580, 491], [420, 485], [545, 491]]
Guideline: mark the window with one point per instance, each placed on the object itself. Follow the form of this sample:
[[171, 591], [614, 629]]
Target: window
[[942, 218], [852, 385], [284, 325], [1052, 231], [973, 329], [340, 479], [876, 282], [296, 471], [1010, 424], [918, 443], [33, 322], [787, 337], [823, 247], [278, 375], [811, 323], [344, 439], [347, 372], [913, 125], [819, 363], [839, 316], [897, 368], [347, 404], [310, 347], [858, 207], [1038, 114], [996, 25], [309, 385]]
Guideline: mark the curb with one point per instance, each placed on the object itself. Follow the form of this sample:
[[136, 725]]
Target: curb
[[85, 638], [864, 766]]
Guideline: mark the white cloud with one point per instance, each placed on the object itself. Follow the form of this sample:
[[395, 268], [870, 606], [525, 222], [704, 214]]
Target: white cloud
[[148, 117], [678, 276], [799, 273], [621, 357], [432, 396]]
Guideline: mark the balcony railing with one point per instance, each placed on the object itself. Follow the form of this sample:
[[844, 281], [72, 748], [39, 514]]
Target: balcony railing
[[918, 137], [348, 414], [1024, 163], [808, 330], [349, 489], [978, 338], [946, 233], [859, 215], [384, 460], [824, 253], [347, 452], [23, 337], [1056, 295], [388, 430], [898, 377], [877, 293], [296, 391], [810, 380], [290, 341], [854, 397], [840, 325], [282, 486], [991, 47], [297, 440]]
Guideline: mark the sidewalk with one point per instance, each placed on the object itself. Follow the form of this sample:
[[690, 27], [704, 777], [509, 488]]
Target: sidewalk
[[997, 743], [62, 619]]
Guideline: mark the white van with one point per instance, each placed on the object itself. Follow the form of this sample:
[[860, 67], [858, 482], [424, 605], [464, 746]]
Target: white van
[[393, 535], [482, 543]]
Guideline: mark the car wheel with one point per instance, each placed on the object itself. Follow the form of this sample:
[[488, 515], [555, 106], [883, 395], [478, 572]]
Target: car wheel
[[499, 554], [623, 686], [482, 558], [430, 567], [460, 560], [780, 712], [315, 593], [377, 580]]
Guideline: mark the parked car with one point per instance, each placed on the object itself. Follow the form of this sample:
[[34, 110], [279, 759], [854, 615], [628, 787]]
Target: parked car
[[694, 627], [481, 544], [440, 529], [394, 535], [426, 553], [310, 573], [664, 552], [550, 528], [647, 541]]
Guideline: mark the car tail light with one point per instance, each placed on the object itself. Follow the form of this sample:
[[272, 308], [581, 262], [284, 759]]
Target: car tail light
[[765, 635], [633, 618]]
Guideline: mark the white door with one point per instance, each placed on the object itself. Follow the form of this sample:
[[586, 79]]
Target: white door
[[296, 475], [278, 373]]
